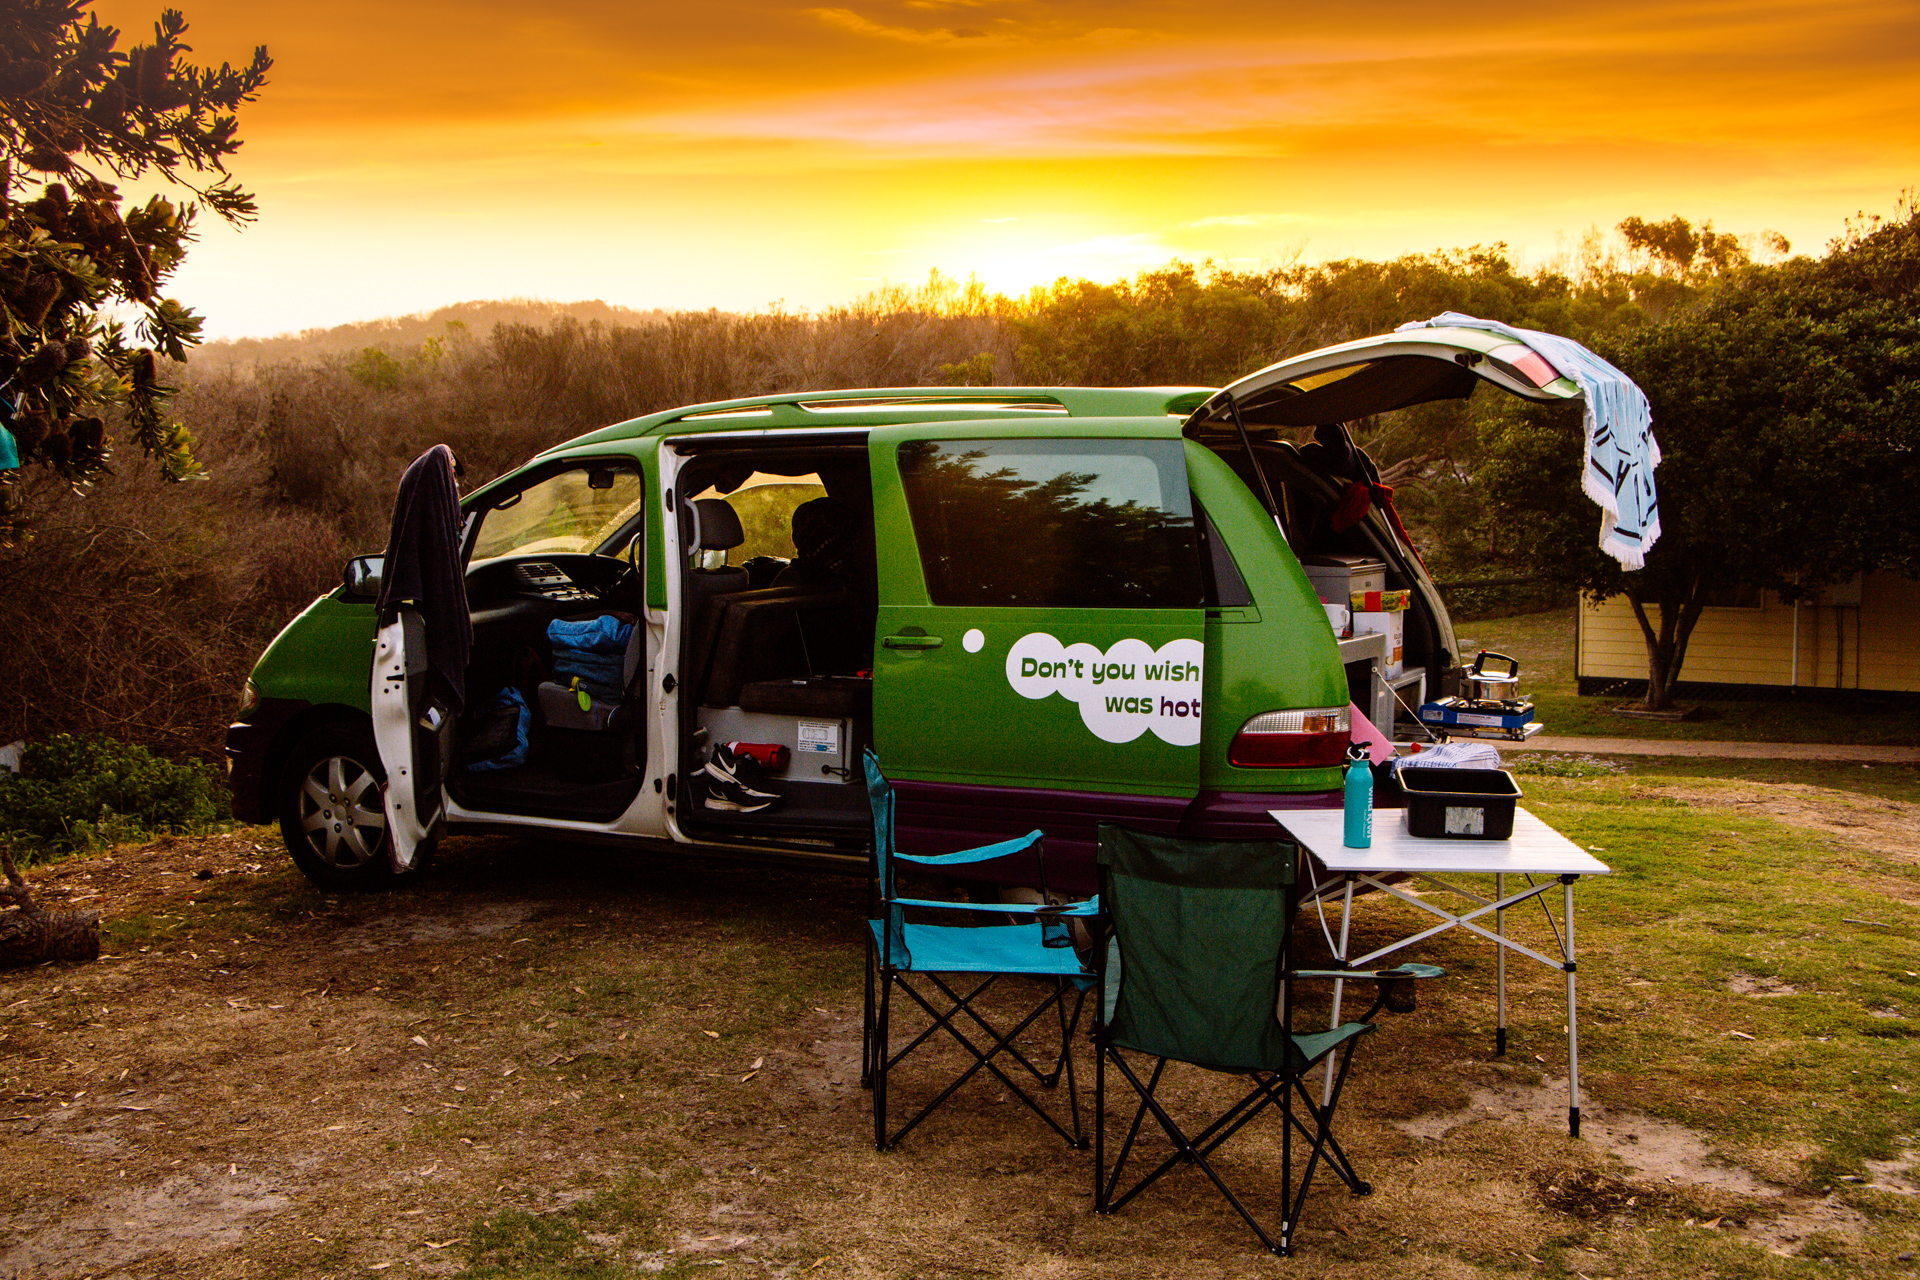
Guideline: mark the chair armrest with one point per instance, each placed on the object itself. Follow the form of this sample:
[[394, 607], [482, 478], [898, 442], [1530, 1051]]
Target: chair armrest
[[1041, 910], [986, 853], [1375, 975], [1396, 992]]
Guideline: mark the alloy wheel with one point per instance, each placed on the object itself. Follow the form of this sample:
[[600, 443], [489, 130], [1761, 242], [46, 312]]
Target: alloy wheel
[[342, 813]]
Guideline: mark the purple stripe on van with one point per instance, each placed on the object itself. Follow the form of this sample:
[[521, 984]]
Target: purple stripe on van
[[939, 817]]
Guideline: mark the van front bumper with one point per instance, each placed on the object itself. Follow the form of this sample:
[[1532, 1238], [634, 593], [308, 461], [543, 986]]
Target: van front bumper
[[254, 750]]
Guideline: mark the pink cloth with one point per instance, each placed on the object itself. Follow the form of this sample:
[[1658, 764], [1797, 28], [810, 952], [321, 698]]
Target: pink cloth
[[1379, 746]]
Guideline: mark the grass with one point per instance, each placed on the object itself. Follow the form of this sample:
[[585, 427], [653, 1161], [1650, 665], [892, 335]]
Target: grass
[[605, 1237], [624, 1135], [1702, 897], [1544, 645], [1883, 781], [1709, 901], [1819, 1064]]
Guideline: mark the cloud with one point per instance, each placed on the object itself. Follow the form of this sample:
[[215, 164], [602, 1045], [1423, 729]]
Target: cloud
[[848, 20], [1248, 220], [719, 176]]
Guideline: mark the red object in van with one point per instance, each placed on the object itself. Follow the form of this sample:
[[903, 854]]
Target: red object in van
[[768, 755]]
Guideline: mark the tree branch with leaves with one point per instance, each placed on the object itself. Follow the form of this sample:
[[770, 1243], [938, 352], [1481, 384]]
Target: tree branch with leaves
[[1787, 406], [77, 116]]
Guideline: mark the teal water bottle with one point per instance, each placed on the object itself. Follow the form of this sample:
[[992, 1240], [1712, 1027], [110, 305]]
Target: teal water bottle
[[1359, 797]]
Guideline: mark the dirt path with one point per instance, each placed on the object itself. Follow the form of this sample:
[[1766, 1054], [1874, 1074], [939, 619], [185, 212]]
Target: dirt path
[[554, 1061], [1890, 827]]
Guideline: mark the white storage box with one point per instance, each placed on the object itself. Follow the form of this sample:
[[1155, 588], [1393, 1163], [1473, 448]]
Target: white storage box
[[819, 748], [1393, 626]]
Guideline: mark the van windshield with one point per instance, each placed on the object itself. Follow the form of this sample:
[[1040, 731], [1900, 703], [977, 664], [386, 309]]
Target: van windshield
[[578, 509]]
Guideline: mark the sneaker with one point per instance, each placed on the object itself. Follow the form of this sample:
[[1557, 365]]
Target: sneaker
[[730, 797], [739, 772]]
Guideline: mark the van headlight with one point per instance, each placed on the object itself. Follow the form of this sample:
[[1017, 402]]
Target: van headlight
[[249, 699], [1301, 738]]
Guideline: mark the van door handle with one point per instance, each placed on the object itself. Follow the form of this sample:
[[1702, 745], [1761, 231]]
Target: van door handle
[[911, 642]]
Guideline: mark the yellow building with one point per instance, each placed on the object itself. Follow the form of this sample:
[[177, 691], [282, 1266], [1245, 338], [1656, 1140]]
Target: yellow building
[[1863, 634]]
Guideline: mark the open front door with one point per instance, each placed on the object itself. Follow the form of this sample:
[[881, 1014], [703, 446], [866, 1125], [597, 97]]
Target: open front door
[[414, 734], [1041, 620], [420, 652]]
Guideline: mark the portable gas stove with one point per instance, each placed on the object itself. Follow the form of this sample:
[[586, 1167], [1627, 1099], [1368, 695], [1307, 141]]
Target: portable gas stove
[[1484, 712]]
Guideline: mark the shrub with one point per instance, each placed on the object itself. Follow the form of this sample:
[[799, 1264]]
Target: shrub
[[76, 793]]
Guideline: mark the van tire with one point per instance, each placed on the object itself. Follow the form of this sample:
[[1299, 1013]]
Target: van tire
[[332, 815]]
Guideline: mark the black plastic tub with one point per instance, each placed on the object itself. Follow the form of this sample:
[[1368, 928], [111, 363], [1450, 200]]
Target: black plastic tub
[[1460, 804]]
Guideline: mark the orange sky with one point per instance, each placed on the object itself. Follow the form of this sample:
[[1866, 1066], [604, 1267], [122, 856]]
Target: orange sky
[[738, 153]]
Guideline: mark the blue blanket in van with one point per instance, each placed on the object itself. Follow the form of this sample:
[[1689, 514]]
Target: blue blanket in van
[[594, 651], [498, 735]]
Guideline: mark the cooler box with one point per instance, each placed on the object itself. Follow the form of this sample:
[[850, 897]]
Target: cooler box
[[1460, 804], [1337, 579]]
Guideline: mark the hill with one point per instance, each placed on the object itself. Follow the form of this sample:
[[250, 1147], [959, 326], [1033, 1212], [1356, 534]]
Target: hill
[[406, 333]]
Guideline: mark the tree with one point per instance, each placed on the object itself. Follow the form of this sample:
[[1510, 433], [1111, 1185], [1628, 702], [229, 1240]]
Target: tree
[[1786, 402], [78, 115]]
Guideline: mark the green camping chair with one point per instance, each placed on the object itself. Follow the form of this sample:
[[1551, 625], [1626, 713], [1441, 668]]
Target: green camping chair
[[946, 969], [1195, 969]]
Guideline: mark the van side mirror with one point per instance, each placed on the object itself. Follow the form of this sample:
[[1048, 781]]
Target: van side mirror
[[362, 577]]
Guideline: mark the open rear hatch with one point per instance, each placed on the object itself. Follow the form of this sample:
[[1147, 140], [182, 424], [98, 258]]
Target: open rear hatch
[[1377, 375], [1312, 489]]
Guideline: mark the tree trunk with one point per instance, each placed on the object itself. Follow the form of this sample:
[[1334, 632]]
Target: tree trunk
[[29, 935], [1667, 646]]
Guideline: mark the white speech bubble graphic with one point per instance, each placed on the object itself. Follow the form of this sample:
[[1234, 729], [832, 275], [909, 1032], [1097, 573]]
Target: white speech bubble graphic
[[1122, 693]]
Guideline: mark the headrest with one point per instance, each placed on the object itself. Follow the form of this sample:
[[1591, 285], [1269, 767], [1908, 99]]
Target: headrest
[[816, 522], [716, 525]]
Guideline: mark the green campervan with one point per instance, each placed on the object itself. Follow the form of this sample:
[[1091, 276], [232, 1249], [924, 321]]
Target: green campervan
[[1043, 606]]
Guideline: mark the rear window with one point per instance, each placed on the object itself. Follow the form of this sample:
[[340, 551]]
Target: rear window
[[1053, 524]]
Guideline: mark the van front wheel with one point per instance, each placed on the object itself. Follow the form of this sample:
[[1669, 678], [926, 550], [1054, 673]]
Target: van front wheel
[[332, 816]]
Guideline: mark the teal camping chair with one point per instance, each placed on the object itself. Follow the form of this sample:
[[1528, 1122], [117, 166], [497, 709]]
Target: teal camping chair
[[945, 969], [1195, 969]]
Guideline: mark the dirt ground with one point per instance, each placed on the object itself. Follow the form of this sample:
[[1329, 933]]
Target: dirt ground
[[1892, 827], [548, 1060]]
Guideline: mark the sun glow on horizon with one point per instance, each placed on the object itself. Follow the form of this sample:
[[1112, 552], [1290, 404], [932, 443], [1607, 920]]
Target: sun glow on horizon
[[745, 154]]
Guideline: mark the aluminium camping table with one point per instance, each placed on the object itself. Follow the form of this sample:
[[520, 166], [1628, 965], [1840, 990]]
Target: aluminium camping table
[[1534, 850]]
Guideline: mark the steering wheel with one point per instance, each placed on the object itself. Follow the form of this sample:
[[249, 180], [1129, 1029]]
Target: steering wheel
[[624, 593]]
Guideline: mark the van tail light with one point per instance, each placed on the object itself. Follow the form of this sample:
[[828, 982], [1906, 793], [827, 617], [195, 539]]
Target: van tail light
[[1312, 738], [1527, 362]]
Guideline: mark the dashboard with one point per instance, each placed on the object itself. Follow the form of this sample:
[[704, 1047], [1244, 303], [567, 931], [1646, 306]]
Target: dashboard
[[554, 583], [545, 587]]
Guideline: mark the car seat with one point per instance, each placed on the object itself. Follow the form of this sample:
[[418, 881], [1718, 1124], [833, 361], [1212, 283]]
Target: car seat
[[834, 542], [560, 704], [710, 524]]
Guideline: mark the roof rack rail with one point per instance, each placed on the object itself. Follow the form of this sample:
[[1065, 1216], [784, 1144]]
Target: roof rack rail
[[807, 408]]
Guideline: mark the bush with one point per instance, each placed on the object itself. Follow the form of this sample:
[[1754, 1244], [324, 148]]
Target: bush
[[75, 793]]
